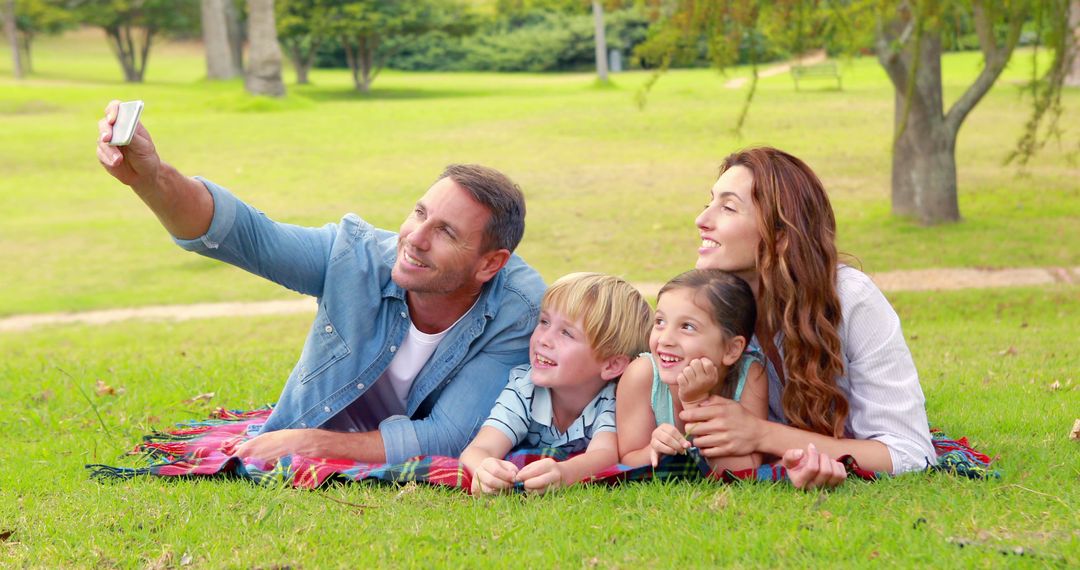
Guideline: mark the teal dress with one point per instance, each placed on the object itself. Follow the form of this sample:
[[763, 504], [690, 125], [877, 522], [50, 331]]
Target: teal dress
[[662, 405]]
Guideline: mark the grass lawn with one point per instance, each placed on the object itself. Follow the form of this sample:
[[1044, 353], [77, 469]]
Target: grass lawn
[[610, 187], [988, 360]]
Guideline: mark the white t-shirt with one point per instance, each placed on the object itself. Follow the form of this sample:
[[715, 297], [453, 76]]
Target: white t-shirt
[[390, 394]]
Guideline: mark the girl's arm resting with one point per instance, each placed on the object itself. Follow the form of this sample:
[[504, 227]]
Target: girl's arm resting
[[633, 413], [755, 400]]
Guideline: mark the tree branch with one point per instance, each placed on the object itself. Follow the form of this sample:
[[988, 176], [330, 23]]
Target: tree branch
[[995, 57]]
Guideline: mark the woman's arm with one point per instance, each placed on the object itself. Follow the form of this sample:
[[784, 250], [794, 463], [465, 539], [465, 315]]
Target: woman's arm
[[755, 400], [725, 428], [634, 417]]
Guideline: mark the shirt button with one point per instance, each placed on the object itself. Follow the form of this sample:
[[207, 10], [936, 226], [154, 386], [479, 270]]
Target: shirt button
[[326, 408], [329, 329], [359, 386], [403, 315], [303, 425], [393, 349]]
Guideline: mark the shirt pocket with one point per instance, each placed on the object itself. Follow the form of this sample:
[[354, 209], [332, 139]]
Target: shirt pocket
[[323, 347]]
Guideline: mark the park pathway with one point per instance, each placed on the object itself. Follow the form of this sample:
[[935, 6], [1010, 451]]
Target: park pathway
[[908, 280]]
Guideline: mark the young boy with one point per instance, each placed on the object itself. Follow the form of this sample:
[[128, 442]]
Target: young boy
[[591, 326]]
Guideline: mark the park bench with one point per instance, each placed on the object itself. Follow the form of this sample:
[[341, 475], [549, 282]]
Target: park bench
[[824, 69]]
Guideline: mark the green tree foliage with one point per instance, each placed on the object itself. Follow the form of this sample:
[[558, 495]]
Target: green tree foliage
[[365, 27], [35, 17], [908, 37], [302, 29], [132, 25]]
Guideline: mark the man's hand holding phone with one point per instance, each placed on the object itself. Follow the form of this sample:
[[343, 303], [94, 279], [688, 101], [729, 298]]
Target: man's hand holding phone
[[124, 145]]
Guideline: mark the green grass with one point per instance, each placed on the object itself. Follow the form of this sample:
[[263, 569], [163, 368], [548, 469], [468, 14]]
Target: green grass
[[610, 187], [975, 386]]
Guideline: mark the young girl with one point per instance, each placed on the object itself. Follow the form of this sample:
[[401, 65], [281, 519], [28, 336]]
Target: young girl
[[704, 320]]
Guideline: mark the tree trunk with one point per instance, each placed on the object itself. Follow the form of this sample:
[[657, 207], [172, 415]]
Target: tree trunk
[[301, 60], [236, 35], [219, 61], [124, 48], [1073, 77], [12, 34], [601, 41], [366, 53], [28, 63], [263, 76], [924, 161]]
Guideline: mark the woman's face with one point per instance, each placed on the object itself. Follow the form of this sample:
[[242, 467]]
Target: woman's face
[[728, 226]]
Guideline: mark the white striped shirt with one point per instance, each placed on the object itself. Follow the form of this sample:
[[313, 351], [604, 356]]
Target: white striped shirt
[[523, 414], [880, 380]]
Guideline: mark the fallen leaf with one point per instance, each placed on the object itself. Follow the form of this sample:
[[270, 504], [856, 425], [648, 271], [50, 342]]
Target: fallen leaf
[[44, 396], [1011, 351], [1075, 435], [185, 560], [1055, 386], [103, 389], [204, 397], [826, 514], [6, 534], [873, 554], [719, 501]]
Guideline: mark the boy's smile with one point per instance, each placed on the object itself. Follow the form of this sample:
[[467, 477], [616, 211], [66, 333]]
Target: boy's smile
[[560, 353]]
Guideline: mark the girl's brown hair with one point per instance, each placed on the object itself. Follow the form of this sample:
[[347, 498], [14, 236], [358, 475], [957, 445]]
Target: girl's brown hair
[[796, 263]]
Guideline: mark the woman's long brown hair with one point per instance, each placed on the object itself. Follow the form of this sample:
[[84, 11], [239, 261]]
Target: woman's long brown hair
[[796, 263]]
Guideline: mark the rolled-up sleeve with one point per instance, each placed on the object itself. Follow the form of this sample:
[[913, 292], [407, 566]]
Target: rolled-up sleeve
[[293, 256], [885, 397]]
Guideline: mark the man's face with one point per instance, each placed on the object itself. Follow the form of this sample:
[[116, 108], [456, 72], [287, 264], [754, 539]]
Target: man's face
[[440, 244]]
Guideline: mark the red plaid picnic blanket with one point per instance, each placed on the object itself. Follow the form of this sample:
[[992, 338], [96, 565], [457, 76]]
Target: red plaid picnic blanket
[[204, 448]]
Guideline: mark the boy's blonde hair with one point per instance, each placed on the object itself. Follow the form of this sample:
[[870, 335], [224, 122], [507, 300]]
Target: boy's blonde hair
[[613, 313]]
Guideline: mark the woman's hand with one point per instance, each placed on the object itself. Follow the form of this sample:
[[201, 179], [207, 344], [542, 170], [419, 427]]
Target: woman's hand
[[812, 469], [723, 428], [666, 440]]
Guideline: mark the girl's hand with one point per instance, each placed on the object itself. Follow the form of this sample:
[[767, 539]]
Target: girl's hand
[[812, 469], [723, 428], [696, 380], [541, 476], [493, 476], [666, 440]]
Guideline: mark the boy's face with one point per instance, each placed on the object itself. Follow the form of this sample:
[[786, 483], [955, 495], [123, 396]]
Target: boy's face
[[560, 353]]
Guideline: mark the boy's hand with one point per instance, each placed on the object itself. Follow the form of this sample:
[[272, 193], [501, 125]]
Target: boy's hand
[[696, 380], [666, 440], [493, 476], [541, 476]]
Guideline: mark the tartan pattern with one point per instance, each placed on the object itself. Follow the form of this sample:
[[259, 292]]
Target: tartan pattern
[[204, 448]]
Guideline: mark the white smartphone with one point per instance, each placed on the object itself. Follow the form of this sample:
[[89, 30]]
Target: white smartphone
[[126, 119]]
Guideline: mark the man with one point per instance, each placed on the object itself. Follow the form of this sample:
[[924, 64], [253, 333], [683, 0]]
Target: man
[[415, 331]]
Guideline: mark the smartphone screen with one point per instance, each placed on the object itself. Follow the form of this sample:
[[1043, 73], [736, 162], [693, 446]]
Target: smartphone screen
[[126, 119]]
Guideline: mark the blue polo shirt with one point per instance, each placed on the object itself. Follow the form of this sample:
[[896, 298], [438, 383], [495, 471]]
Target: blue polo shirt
[[523, 414]]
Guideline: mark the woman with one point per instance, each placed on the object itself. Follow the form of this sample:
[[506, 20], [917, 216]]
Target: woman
[[841, 378]]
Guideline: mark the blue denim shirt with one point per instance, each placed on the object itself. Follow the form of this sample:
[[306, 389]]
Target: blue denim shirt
[[362, 318]]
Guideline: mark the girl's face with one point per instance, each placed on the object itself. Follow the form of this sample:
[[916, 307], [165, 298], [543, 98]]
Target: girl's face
[[728, 226], [683, 331]]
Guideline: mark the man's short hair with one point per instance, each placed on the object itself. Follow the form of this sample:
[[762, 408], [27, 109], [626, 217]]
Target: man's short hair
[[613, 313], [500, 196]]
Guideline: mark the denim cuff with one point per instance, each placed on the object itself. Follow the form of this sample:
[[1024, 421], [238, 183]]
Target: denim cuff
[[399, 439], [220, 225]]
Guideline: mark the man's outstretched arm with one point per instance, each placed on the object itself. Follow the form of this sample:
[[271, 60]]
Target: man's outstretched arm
[[182, 204], [366, 447]]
